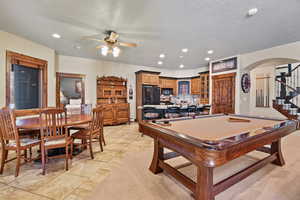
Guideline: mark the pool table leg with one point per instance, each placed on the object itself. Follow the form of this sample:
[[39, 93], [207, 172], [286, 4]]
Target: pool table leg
[[276, 148], [158, 154], [204, 186]]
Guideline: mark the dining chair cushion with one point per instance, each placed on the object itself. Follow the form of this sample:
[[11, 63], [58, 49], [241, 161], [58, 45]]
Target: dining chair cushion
[[75, 101], [77, 141], [23, 142], [55, 142]]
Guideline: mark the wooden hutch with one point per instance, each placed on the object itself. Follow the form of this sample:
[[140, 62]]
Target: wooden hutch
[[112, 93]]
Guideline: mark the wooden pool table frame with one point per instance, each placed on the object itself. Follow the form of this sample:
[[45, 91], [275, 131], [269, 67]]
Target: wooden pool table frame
[[206, 156]]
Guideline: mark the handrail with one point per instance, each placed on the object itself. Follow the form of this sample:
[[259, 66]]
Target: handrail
[[295, 68], [287, 85]]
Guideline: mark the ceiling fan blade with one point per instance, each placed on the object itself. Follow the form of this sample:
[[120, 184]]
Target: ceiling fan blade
[[94, 39], [127, 44], [139, 35]]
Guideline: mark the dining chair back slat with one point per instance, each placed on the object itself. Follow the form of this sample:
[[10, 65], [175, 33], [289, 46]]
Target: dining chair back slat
[[52, 123], [97, 120], [7, 125]]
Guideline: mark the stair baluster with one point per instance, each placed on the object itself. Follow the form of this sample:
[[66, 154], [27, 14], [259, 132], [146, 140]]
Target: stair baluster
[[287, 89]]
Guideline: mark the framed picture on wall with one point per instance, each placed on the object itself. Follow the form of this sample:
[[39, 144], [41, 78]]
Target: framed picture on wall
[[183, 88], [224, 65]]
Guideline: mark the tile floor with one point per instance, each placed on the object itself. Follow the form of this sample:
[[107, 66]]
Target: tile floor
[[83, 176]]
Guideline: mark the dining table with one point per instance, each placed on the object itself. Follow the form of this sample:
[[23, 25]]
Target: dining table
[[33, 123]]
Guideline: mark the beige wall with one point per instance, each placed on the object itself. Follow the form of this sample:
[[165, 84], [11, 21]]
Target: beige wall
[[20, 45]]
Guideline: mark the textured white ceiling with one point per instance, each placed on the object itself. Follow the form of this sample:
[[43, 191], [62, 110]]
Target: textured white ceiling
[[158, 26]]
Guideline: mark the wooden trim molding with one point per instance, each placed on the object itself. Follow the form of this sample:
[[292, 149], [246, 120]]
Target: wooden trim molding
[[28, 61], [148, 72], [59, 76], [224, 75]]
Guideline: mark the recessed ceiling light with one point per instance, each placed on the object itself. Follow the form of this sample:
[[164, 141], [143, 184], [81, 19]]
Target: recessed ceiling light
[[252, 12], [180, 56], [55, 35], [160, 62], [210, 51], [162, 55], [207, 59], [181, 66], [184, 50], [77, 47]]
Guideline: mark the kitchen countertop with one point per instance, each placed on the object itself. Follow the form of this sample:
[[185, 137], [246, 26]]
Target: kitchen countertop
[[168, 106]]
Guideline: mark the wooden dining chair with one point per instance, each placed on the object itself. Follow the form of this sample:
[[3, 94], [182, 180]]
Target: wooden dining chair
[[54, 135], [10, 140], [94, 131]]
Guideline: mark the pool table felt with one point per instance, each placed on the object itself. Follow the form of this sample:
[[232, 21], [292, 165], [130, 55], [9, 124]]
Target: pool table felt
[[219, 127]]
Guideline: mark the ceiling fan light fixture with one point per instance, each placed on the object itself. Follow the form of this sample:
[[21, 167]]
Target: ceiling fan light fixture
[[104, 50], [252, 12], [116, 51]]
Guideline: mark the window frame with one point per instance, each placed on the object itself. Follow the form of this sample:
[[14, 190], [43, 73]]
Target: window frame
[[27, 61]]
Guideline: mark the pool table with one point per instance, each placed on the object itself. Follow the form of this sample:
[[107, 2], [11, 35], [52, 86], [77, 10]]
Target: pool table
[[212, 141]]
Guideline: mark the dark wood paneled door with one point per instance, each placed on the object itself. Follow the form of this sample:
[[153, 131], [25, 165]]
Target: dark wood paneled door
[[223, 93]]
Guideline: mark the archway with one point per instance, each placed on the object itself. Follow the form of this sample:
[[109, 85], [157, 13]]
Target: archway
[[262, 67], [270, 62]]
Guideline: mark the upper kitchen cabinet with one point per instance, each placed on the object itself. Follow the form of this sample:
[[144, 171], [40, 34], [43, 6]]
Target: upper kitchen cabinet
[[170, 83], [195, 86], [149, 78], [204, 87]]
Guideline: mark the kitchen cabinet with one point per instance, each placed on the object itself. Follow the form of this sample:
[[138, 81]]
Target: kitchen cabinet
[[168, 83], [144, 78], [195, 86], [204, 88], [150, 79]]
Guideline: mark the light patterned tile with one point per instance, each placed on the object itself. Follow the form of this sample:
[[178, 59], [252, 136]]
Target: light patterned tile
[[12, 193], [60, 187], [89, 168]]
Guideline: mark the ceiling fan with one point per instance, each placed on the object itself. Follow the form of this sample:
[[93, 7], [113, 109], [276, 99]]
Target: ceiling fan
[[111, 43]]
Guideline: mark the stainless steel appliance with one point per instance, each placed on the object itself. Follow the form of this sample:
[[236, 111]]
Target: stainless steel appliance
[[151, 95], [167, 91]]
